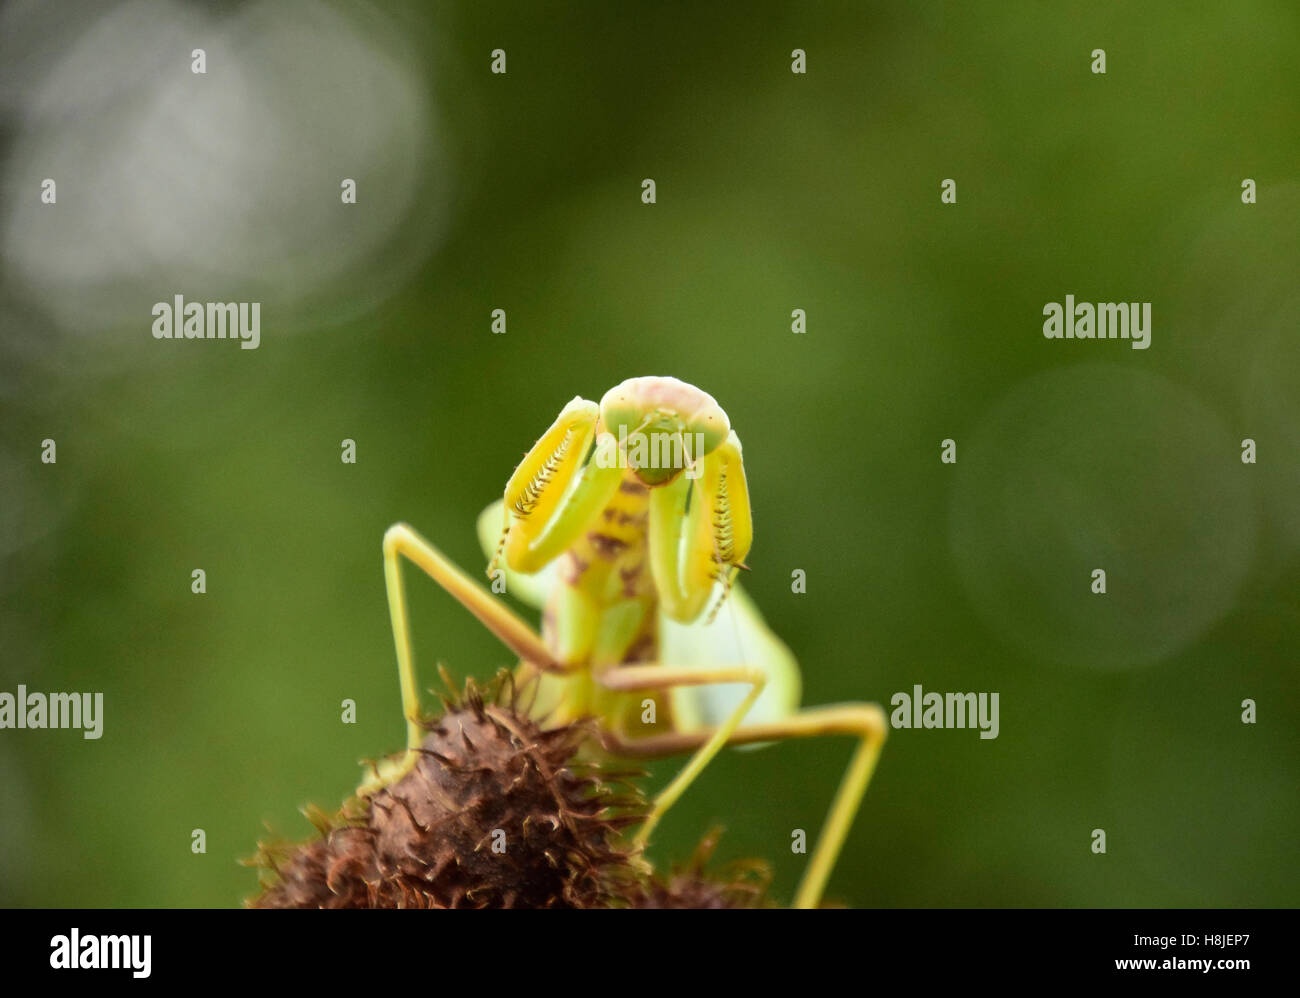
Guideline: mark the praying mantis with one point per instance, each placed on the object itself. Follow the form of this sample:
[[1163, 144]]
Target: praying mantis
[[627, 524]]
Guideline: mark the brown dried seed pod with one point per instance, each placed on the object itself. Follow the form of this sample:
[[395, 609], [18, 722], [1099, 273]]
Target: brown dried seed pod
[[742, 884], [494, 815]]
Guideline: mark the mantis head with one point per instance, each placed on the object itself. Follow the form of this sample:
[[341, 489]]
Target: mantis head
[[663, 426], [670, 437]]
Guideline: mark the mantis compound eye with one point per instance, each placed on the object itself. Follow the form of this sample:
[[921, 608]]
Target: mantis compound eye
[[711, 427]]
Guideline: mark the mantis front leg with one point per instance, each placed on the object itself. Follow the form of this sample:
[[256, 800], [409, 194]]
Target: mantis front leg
[[552, 496], [700, 532]]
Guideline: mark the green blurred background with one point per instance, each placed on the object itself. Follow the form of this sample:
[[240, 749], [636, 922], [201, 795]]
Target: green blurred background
[[775, 191]]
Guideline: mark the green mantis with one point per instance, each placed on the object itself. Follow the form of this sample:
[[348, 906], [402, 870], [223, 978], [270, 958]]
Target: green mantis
[[626, 524]]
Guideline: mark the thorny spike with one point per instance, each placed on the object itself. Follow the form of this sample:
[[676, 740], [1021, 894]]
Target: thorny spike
[[532, 492], [319, 819], [495, 561], [450, 685], [706, 848], [406, 806], [507, 678]]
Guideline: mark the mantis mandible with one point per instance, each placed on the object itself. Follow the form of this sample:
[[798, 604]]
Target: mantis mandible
[[626, 524]]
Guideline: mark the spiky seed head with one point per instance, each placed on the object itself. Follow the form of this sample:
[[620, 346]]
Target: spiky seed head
[[494, 815]]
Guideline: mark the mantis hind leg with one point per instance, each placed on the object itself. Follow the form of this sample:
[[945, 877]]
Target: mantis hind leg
[[639, 677], [866, 721], [400, 541]]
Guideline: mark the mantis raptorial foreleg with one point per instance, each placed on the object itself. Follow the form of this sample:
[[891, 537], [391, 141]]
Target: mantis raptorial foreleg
[[552, 496], [401, 541], [700, 531], [864, 720]]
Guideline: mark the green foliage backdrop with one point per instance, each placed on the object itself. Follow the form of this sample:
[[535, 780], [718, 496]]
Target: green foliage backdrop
[[775, 191]]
